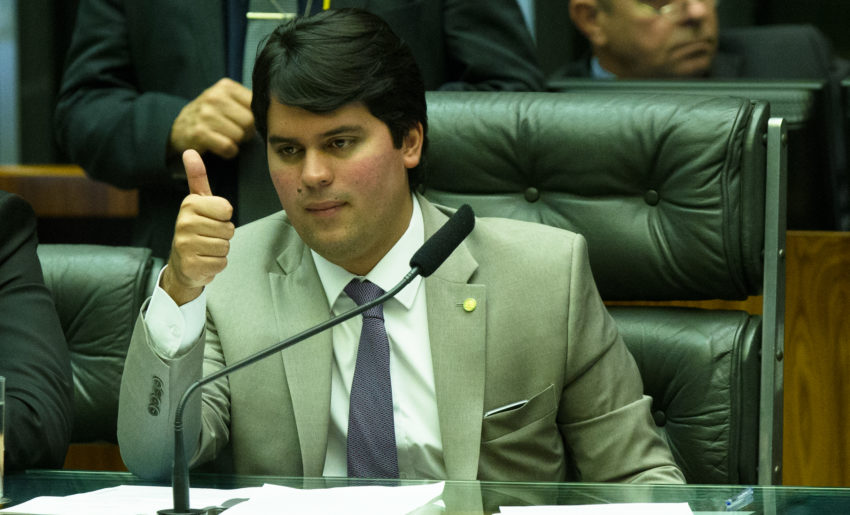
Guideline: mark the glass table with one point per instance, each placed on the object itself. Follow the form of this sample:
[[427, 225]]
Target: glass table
[[471, 497]]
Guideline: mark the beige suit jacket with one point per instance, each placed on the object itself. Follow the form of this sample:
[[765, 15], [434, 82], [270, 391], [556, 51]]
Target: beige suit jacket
[[539, 333]]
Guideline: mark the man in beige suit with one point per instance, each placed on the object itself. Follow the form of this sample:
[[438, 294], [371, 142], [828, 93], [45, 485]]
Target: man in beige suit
[[504, 363]]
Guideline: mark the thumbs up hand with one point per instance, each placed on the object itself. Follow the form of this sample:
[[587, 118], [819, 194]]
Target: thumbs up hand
[[201, 236]]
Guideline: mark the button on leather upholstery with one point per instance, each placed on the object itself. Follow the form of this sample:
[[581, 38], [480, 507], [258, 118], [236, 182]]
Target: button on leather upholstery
[[652, 197], [660, 418], [531, 194]]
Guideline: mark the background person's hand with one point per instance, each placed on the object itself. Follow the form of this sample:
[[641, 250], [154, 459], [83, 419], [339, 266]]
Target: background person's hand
[[217, 121], [201, 236]]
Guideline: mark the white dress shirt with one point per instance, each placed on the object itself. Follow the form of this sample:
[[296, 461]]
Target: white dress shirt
[[173, 329]]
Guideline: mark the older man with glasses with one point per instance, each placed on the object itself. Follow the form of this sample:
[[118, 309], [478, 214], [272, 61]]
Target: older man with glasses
[[677, 39], [647, 38]]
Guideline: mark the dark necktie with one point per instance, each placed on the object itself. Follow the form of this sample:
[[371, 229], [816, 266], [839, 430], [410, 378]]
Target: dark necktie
[[371, 432]]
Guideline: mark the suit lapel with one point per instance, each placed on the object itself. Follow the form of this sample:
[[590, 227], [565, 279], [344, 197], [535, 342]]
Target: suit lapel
[[458, 353], [300, 303]]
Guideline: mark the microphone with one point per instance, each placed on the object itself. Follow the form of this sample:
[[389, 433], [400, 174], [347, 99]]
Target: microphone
[[424, 262], [433, 252]]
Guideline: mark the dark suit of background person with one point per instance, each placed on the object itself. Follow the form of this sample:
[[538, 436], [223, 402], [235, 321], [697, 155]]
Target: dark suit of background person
[[34, 355], [134, 64]]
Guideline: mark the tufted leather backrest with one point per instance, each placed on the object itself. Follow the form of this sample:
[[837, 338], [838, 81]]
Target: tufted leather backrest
[[657, 178], [702, 370], [817, 150], [670, 193], [98, 291]]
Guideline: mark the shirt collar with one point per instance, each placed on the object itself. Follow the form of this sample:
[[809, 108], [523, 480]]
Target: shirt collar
[[389, 270], [598, 72]]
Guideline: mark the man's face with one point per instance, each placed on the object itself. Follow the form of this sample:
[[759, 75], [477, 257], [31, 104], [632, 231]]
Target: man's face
[[341, 181], [636, 42]]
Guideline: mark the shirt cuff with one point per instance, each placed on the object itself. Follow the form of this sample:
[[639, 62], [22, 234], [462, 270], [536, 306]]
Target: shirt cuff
[[174, 329]]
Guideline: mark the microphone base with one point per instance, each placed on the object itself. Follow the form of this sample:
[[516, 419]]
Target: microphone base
[[189, 512]]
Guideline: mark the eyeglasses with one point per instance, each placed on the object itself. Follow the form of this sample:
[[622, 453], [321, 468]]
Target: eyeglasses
[[672, 9]]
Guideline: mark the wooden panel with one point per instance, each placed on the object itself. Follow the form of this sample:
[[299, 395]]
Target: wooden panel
[[817, 366], [64, 191], [816, 418], [94, 456], [752, 305]]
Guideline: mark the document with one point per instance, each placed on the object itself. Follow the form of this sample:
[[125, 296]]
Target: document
[[268, 499], [352, 500], [602, 509], [125, 500]]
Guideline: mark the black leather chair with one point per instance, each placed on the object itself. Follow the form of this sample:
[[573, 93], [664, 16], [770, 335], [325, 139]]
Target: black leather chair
[[98, 291], [817, 189], [679, 197]]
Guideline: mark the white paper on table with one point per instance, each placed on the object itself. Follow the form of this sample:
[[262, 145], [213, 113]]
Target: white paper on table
[[602, 509], [126, 500], [146, 500], [373, 500]]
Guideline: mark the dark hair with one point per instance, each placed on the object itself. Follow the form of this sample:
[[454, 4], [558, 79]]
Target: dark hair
[[323, 62]]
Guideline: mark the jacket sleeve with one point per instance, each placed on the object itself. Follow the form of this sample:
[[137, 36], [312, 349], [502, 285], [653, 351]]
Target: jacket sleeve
[[603, 415], [488, 47], [151, 390], [34, 355], [105, 120]]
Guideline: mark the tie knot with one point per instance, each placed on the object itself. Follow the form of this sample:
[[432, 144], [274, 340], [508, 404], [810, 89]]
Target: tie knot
[[362, 292]]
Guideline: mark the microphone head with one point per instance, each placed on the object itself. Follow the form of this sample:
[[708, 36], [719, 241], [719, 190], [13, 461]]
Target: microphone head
[[433, 252]]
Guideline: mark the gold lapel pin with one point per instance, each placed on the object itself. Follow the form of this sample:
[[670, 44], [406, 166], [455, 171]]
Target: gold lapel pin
[[469, 305]]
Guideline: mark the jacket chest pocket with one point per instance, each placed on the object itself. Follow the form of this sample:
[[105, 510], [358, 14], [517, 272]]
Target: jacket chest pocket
[[515, 416]]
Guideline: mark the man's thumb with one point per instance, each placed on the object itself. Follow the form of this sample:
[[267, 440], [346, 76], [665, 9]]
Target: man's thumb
[[196, 173]]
